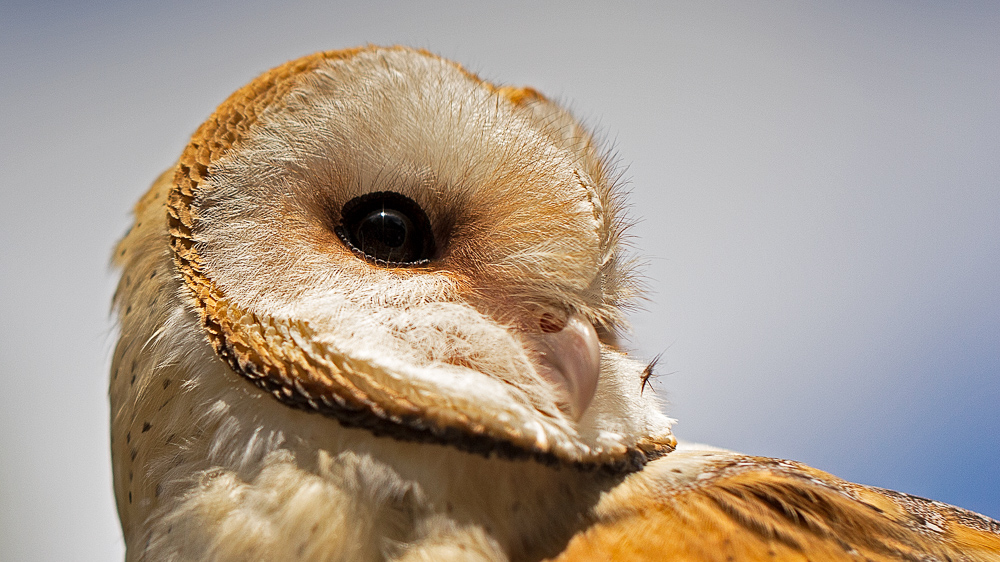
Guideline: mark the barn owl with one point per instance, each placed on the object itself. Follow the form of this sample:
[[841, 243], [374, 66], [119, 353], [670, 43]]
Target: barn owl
[[372, 313]]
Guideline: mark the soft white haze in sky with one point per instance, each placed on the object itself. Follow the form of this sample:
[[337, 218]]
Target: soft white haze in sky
[[817, 186]]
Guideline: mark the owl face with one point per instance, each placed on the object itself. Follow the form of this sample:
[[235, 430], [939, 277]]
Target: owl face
[[382, 238]]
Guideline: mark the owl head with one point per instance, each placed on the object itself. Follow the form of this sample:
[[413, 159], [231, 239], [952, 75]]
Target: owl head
[[382, 238]]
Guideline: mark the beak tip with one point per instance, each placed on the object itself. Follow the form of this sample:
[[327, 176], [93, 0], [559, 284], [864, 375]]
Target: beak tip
[[574, 354]]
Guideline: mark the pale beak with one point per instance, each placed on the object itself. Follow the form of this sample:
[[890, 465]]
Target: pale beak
[[571, 360]]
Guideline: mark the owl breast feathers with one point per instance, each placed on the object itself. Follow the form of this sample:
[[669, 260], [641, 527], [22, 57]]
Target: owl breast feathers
[[373, 313]]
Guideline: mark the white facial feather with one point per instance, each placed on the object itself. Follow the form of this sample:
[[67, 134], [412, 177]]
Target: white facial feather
[[522, 217]]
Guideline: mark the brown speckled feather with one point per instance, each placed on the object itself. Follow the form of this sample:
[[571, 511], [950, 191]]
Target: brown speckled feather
[[723, 506]]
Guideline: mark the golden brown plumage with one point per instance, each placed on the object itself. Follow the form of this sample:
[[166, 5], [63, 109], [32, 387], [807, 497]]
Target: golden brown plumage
[[371, 314], [714, 505]]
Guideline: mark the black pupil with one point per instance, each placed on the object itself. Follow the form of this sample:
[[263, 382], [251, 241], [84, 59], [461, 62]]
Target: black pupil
[[383, 234], [387, 228]]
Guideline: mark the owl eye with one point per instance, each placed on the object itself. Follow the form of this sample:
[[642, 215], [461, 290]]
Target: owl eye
[[387, 228]]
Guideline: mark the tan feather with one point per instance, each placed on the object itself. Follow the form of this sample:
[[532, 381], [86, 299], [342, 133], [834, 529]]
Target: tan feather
[[724, 506]]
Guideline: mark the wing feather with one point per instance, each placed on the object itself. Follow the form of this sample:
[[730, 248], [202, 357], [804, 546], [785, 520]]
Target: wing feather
[[723, 506]]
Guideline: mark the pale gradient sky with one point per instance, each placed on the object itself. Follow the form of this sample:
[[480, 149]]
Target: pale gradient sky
[[817, 185]]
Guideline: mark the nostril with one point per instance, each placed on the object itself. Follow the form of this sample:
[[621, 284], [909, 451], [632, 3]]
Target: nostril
[[550, 323]]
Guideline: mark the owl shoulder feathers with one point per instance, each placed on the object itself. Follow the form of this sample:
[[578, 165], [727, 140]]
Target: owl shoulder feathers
[[717, 505]]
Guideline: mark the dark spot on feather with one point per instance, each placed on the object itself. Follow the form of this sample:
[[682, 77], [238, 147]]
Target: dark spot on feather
[[145, 426], [207, 477]]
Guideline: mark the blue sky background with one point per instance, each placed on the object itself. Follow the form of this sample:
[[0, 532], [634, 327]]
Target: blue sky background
[[817, 186]]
